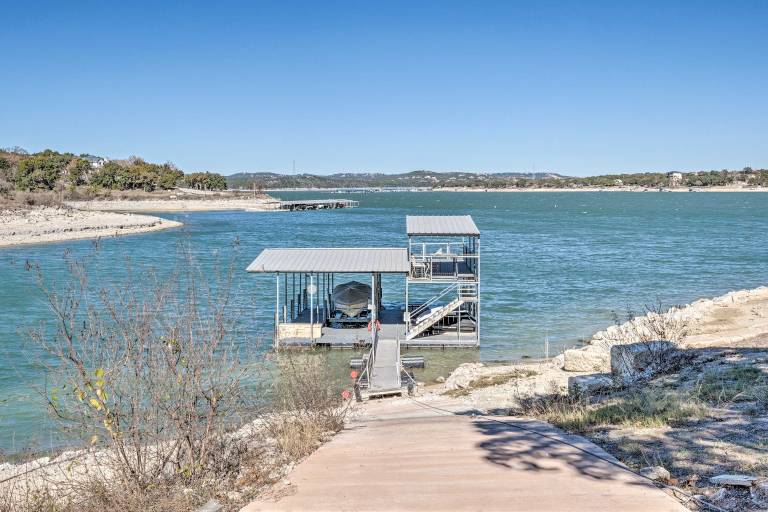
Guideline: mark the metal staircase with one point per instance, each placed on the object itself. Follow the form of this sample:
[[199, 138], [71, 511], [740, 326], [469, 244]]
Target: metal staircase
[[465, 292]]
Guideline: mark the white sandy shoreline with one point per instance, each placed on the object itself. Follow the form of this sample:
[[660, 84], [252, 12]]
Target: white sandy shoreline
[[104, 218], [176, 205], [52, 224]]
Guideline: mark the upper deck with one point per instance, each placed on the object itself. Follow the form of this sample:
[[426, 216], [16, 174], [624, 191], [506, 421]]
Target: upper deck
[[443, 248]]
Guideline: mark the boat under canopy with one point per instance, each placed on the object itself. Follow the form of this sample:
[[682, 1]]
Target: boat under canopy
[[351, 298]]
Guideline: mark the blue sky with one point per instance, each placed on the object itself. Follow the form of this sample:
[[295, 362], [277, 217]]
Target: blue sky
[[575, 87]]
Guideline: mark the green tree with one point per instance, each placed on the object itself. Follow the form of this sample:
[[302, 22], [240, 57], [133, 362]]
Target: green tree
[[77, 170], [106, 177], [205, 181], [41, 171], [168, 176]]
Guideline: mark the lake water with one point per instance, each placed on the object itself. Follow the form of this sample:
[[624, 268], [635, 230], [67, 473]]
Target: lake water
[[554, 266]]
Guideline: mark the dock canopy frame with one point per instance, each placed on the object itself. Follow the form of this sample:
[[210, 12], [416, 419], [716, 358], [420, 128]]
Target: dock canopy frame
[[441, 225], [389, 260]]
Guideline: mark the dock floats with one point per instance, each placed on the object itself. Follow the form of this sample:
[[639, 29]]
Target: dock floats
[[318, 204]]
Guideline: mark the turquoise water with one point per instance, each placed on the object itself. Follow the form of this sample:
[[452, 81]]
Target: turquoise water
[[554, 265]]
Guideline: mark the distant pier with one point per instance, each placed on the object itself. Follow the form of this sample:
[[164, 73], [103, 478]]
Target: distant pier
[[318, 204]]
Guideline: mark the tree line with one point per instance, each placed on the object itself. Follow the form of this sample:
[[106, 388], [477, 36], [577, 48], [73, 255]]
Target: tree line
[[49, 170]]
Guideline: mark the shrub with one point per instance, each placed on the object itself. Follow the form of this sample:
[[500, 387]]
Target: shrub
[[5, 188], [307, 406], [205, 181], [149, 370], [656, 322]]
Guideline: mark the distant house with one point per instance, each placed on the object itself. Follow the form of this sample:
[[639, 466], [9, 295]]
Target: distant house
[[618, 183], [97, 162], [675, 179]]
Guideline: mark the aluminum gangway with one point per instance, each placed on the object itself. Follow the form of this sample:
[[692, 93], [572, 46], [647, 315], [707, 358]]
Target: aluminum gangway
[[382, 368]]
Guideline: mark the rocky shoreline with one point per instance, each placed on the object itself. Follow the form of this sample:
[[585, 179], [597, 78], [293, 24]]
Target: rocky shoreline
[[21, 226], [735, 319]]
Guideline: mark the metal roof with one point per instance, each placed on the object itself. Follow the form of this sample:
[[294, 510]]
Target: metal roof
[[428, 225], [383, 260]]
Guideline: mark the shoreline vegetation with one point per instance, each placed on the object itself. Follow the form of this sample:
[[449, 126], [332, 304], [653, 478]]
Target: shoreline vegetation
[[700, 416], [52, 197]]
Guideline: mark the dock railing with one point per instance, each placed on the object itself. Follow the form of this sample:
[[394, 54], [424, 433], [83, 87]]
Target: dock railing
[[442, 260]]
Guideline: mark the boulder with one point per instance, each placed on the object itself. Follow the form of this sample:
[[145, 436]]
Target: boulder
[[558, 361], [641, 361], [211, 506], [735, 480], [463, 375], [592, 358], [656, 473], [719, 496], [590, 384]]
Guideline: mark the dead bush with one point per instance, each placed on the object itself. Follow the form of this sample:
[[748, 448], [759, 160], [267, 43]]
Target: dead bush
[[6, 188], [307, 406], [656, 322], [148, 372], [40, 198]]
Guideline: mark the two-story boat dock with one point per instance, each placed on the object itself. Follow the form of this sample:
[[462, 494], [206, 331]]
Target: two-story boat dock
[[320, 302]]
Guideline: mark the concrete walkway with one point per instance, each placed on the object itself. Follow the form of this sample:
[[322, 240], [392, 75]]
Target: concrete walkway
[[401, 456]]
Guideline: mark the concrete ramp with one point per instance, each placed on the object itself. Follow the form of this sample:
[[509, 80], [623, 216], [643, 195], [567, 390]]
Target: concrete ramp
[[401, 456]]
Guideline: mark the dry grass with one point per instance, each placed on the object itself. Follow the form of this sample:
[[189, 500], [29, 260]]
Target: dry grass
[[491, 380], [25, 200], [646, 408], [736, 384]]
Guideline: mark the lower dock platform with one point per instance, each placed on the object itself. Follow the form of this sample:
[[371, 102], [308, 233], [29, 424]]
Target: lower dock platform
[[392, 327]]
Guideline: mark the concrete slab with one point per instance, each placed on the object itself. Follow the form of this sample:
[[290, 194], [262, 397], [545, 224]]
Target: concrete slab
[[400, 455]]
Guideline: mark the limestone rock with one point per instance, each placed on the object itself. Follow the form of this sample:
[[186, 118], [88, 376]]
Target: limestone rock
[[440, 379], [589, 384], [735, 480], [592, 358], [462, 376], [719, 496], [656, 473], [211, 506], [640, 361]]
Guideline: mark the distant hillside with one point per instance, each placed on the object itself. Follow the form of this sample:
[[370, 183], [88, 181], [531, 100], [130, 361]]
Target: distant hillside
[[270, 180], [746, 177]]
